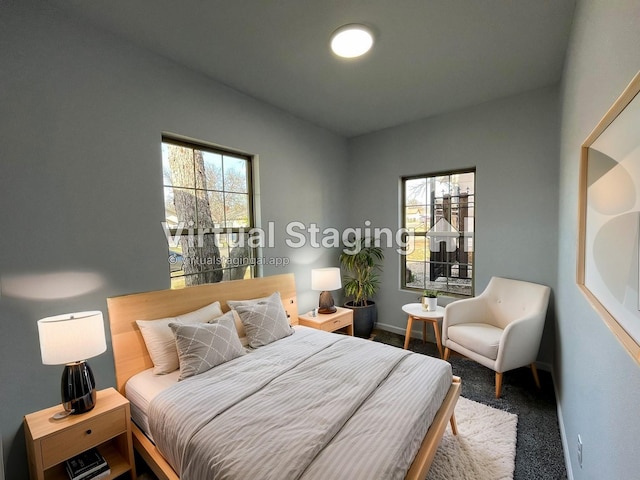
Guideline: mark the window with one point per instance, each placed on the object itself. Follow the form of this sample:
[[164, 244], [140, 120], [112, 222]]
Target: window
[[438, 214], [209, 213]]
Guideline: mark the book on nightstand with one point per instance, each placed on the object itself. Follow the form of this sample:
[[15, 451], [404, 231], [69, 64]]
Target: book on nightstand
[[102, 472], [88, 465]]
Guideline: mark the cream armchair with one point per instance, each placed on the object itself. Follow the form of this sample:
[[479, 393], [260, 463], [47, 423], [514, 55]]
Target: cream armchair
[[501, 328]]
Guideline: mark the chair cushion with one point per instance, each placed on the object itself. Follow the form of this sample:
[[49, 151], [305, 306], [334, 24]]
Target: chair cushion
[[480, 338]]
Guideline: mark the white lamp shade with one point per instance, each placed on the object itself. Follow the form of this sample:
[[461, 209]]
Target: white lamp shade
[[325, 279], [71, 337]]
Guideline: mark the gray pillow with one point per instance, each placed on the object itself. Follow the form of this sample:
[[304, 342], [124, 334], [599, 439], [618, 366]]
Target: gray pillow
[[264, 319], [202, 346]]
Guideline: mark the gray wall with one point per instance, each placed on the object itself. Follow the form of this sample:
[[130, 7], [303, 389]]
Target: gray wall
[[82, 114], [80, 184], [513, 143], [598, 382]]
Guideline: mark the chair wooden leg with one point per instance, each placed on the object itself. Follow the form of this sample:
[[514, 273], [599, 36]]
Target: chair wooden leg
[[498, 384], [454, 425], [534, 371], [446, 353]]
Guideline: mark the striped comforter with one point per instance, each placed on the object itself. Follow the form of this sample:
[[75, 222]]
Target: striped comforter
[[312, 405]]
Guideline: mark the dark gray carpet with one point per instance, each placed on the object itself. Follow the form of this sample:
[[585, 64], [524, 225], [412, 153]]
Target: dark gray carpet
[[539, 452]]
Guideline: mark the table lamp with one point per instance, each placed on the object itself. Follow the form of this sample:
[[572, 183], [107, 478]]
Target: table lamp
[[325, 280], [69, 340]]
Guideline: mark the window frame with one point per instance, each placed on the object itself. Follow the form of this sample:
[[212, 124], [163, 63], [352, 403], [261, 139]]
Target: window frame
[[404, 284], [253, 268]]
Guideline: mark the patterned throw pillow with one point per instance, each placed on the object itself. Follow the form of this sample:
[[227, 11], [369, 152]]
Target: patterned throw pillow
[[264, 319], [202, 346]]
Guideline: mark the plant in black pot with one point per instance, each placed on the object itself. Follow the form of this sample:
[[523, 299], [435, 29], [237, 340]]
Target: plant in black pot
[[361, 282]]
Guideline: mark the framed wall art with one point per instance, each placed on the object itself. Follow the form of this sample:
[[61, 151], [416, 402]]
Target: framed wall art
[[609, 223]]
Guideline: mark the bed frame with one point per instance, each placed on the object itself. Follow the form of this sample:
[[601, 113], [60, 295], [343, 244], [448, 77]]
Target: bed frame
[[131, 356]]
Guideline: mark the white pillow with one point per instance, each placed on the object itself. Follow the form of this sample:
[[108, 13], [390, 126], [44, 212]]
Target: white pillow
[[159, 339], [202, 346]]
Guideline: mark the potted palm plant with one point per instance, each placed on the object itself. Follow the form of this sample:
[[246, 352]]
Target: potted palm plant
[[361, 282]]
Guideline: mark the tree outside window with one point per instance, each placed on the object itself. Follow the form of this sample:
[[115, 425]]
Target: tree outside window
[[208, 213]]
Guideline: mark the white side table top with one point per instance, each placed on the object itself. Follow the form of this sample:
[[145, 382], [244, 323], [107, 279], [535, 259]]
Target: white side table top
[[416, 310]]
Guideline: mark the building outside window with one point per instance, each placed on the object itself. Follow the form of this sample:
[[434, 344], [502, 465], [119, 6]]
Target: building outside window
[[438, 211], [208, 213]]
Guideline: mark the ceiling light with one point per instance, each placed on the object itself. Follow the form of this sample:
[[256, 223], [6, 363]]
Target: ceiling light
[[351, 40]]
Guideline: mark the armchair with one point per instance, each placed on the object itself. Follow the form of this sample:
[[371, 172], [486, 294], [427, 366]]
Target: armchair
[[501, 328]]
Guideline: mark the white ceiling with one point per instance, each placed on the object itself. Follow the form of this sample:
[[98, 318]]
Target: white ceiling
[[430, 56]]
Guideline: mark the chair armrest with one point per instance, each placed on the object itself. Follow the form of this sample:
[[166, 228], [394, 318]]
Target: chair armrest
[[520, 342]]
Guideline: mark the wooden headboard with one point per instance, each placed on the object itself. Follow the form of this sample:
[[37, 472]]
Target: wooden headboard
[[129, 351]]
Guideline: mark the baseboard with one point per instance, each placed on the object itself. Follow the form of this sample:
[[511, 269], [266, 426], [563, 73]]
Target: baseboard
[[1, 460], [545, 367], [415, 333], [394, 329], [563, 433]]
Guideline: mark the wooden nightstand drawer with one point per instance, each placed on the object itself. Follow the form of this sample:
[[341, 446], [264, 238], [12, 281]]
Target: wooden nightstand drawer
[[334, 324], [343, 317], [73, 440]]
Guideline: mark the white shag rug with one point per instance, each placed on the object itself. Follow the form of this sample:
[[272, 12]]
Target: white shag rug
[[484, 449]]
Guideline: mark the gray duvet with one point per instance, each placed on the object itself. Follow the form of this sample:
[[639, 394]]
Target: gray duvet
[[313, 405]]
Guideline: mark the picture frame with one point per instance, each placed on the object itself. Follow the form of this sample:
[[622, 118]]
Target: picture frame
[[608, 270]]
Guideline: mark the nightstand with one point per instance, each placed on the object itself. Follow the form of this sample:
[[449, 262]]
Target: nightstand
[[107, 426], [329, 322]]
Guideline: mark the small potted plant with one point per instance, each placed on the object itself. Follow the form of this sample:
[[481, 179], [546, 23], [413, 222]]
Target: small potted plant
[[430, 300]]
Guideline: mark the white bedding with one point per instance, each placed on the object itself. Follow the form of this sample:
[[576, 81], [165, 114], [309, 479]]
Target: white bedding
[[141, 389], [313, 405]]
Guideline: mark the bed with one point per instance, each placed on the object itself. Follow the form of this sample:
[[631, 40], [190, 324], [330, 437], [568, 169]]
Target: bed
[[330, 439]]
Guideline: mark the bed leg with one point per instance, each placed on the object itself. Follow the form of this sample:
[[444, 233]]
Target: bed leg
[[454, 426]]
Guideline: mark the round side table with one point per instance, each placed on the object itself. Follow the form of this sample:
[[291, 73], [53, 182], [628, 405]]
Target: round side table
[[415, 312]]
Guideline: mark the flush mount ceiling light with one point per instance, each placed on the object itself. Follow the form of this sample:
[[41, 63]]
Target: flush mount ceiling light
[[350, 41]]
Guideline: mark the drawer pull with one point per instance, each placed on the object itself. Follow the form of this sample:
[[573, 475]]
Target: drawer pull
[[89, 432]]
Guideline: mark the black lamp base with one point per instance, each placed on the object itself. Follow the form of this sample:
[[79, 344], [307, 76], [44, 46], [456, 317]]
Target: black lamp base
[[325, 304], [78, 388]]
